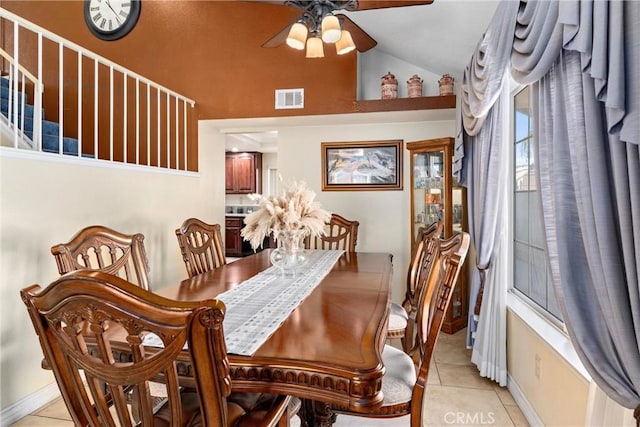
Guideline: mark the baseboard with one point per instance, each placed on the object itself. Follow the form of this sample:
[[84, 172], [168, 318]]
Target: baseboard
[[29, 404], [527, 410]]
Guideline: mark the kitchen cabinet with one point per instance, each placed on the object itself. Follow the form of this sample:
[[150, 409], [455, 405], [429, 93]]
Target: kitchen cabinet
[[243, 173], [232, 238], [436, 197]]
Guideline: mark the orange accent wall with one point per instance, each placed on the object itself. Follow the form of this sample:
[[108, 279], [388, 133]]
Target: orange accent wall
[[211, 52]]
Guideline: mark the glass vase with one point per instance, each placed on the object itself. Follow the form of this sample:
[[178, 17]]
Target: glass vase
[[289, 256]]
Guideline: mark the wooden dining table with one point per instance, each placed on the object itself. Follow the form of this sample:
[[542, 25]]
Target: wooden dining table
[[328, 350]]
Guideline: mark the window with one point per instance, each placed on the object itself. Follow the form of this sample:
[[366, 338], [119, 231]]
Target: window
[[530, 269]]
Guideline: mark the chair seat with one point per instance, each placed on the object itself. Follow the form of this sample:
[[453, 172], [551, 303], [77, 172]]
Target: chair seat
[[398, 319], [243, 409], [399, 378]]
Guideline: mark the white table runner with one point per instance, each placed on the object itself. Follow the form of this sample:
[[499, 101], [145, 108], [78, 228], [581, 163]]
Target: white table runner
[[257, 306]]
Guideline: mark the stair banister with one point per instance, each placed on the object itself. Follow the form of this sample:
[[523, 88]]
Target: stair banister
[[16, 70], [127, 76]]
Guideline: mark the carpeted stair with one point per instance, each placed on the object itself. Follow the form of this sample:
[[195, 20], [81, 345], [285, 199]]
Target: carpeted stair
[[50, 130]]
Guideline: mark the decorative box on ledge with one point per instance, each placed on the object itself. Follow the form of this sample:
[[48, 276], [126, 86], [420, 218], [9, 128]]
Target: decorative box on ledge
[[405, 104]]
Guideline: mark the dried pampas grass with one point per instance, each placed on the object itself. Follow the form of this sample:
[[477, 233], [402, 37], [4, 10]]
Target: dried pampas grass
[[294, 209]]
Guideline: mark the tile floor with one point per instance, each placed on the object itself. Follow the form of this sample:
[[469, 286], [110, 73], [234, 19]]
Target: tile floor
[[456, 396]]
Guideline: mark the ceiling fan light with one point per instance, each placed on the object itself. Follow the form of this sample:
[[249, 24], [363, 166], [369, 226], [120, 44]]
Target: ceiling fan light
[[297, 36], [330, 29], [345, 43], [314, 48]]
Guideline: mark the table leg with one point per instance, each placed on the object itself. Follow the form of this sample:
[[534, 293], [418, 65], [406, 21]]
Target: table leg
[[316, 414]]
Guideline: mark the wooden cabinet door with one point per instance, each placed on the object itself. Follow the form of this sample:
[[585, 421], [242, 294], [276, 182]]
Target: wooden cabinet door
[[233, 240], [245, 174], [229, 174]]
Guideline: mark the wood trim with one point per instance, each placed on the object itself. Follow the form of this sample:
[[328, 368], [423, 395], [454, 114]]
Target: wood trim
[[401, 104]]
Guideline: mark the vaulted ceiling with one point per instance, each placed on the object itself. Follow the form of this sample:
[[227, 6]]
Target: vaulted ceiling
[[439, 37]]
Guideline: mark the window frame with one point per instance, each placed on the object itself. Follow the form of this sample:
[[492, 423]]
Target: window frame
[[523, 298]]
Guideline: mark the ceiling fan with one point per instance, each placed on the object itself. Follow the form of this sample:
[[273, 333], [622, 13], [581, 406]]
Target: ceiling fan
[[318, 24]]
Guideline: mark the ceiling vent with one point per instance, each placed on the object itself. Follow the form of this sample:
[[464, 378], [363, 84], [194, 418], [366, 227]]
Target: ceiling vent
[[289, 98]]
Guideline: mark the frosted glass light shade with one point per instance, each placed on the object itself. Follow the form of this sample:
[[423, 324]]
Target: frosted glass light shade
[[314, 48], [297, 36], [345, 43], [330, 29]]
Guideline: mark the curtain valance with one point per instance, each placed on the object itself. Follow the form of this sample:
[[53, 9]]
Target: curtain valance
[[526, 37]]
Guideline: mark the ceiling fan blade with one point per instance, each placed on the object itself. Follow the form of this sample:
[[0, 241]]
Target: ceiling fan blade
[[361, 39], [381, 4], [280, 38]]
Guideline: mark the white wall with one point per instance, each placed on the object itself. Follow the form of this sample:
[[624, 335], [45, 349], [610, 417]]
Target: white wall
[[44, 203], [372, 65], [383, 215]]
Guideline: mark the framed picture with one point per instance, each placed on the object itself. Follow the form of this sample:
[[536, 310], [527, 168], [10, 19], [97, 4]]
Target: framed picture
[[364, 165]]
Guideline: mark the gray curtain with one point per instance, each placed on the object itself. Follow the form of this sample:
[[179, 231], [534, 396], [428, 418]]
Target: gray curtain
[[590, 190], [589, 178], [585, 58], [484, 176], [487, 171]]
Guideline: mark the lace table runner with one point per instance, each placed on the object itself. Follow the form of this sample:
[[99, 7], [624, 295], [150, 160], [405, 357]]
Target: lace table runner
[[257, 306]]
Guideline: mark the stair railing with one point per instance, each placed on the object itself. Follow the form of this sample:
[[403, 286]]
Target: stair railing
[[153, 118], [18, 76]]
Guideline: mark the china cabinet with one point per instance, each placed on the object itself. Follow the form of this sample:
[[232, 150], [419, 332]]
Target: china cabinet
[[436, 197]]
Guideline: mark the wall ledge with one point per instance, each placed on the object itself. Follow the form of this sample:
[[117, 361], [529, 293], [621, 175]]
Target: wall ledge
[[406, 104]]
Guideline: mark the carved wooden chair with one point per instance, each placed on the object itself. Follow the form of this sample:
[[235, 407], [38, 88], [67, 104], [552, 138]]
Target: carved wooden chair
[[402, 316], [101, 248], [201, 246], [402, 387], [77, 318], [341, 233]]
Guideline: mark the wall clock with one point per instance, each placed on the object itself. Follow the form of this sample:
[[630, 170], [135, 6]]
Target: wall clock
[[111, 19]]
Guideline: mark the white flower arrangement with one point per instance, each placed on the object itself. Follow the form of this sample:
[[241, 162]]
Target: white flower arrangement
[[293, 210]]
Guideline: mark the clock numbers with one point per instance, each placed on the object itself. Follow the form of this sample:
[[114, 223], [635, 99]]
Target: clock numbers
[[111, 19], [109, 15]]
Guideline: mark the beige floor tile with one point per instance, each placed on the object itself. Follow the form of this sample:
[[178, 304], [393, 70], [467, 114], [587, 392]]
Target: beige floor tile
[[462, 376], [56, 409], [504, 394], [458, 406], [452, 349], [35, 421], [516, 415]]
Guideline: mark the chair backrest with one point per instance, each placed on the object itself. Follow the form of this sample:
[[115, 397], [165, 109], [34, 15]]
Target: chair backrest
[[340, 233], [434, 300], [427, 243], [201, 246], [101, 248], [77, 319]]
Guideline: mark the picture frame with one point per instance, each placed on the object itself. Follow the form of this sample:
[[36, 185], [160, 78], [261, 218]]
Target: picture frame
[[362, 165]]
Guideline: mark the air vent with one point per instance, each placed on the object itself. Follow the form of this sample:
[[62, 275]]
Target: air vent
[[289, 98]]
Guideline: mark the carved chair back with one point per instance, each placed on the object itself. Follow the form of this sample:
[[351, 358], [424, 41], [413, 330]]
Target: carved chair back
[[340, 233], [101, 248], [434, 299], [426, 245], [201, 246], [76, 319]]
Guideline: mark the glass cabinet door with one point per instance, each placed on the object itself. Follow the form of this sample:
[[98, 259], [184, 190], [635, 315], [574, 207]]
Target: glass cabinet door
[[429, 192], [431, 183], [435, 196]]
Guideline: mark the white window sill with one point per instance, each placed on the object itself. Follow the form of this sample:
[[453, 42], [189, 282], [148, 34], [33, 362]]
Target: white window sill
[[555, 338]]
